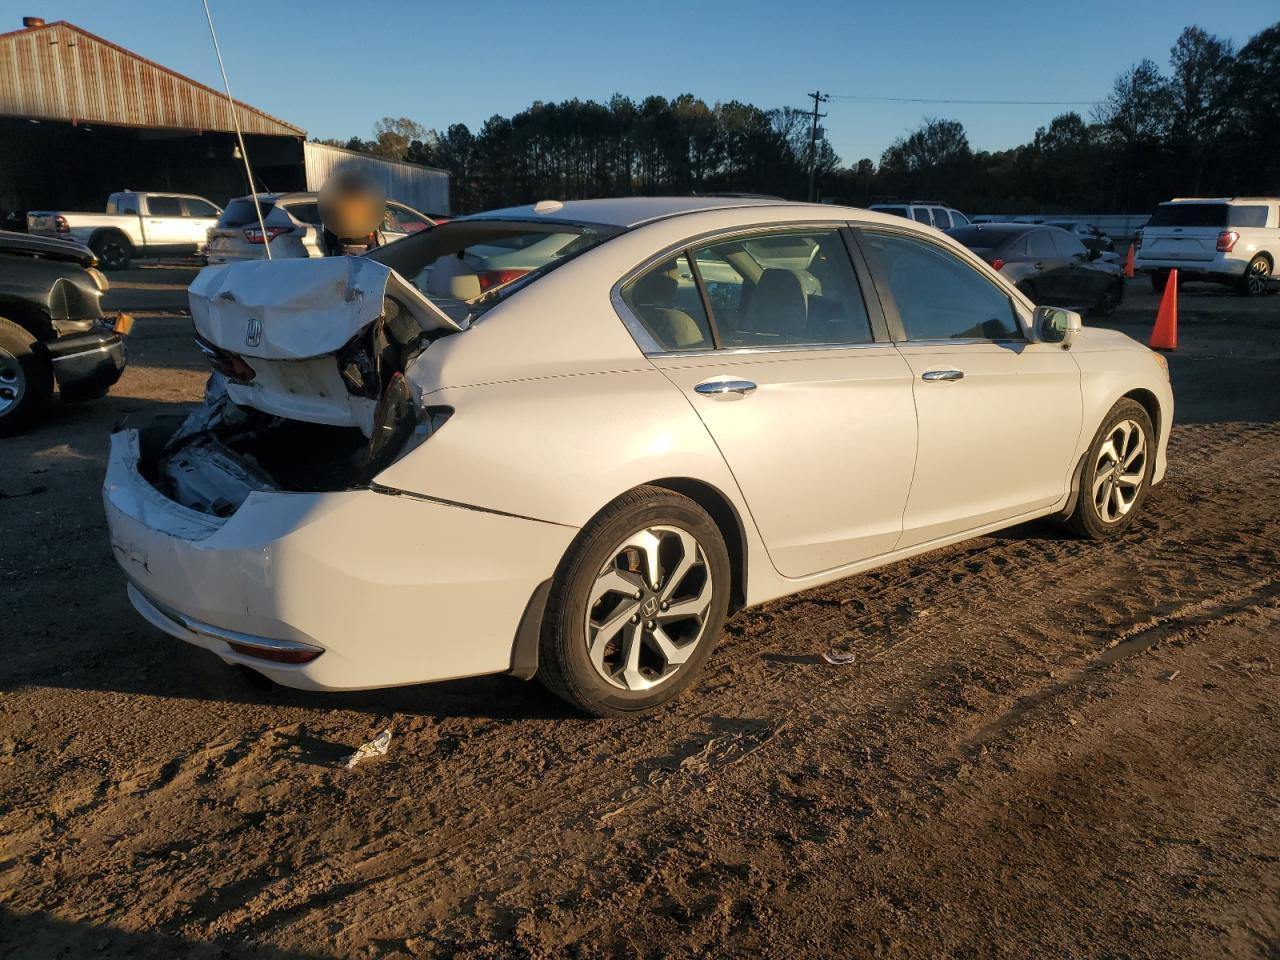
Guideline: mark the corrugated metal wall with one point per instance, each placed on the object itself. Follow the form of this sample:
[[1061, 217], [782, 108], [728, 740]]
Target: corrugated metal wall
[[60, 72], [424, 188]]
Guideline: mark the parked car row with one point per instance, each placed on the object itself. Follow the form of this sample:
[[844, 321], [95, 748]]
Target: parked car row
[[148, 224]]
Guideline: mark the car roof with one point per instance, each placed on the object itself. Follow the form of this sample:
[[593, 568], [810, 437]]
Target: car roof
[[632, 211], [1006, 228]]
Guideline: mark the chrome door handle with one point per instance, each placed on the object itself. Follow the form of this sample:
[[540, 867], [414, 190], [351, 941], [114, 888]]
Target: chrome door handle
[[725, 389], [932, 375]]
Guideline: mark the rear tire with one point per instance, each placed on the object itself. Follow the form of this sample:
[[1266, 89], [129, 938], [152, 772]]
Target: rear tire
[[1117, 473], [615, 643], [26, 378], [113, 250], [1256, 278], [1159, 280]]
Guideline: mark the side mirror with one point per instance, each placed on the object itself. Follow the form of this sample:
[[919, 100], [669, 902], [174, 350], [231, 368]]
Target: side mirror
[[1055, 325]]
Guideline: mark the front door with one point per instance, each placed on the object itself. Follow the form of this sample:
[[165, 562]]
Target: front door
[[814, 416], [999, 414]]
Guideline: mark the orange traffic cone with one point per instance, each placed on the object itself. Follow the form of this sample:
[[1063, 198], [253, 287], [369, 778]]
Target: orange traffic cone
[[1164, 336], [1128, 262]]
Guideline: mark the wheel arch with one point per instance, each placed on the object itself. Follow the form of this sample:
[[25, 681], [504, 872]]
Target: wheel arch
[[524, 650], [727, 519], [1148, 401]]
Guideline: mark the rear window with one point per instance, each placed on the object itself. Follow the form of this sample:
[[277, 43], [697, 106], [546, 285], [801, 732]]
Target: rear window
[[467, 266], [240, 213], [978, 237], [1190, 215]]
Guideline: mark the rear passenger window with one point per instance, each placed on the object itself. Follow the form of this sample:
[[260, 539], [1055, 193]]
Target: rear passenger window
[[1250, 216], [940, 219], [922, 215], [1040, 244], [666, 302], [938, 296], [784, 289]]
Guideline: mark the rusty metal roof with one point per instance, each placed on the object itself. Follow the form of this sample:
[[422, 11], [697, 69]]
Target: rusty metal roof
[[58, 71]]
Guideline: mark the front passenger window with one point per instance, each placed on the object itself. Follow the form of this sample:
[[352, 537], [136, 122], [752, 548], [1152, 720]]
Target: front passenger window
[[939, 297]]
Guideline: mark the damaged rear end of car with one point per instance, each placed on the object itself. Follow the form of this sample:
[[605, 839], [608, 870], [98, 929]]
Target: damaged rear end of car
[[253, 526]]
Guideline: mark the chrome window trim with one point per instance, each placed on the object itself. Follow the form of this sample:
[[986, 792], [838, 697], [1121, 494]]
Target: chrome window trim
[[650, 347]]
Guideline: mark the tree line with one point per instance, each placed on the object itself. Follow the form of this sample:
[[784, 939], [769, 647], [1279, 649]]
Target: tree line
[[1209, 125]]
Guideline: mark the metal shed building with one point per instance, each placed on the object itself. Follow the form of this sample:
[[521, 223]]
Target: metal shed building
[[81, 117], [423, 188]]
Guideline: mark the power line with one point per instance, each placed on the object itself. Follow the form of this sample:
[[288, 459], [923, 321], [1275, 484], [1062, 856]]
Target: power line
[[1002, 103]]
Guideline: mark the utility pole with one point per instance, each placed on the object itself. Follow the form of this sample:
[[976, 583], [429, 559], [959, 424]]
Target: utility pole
[[818, 97]]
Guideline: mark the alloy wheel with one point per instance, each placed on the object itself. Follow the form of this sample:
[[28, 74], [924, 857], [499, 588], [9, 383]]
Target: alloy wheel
[[1258, 276], [1119, 470], [13, 382], [648, 607]]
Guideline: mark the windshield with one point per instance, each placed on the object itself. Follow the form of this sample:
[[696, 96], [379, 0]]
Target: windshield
[[467, 266]]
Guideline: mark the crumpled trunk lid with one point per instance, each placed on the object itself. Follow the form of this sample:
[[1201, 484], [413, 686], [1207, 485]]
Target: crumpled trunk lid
[[289, 335]]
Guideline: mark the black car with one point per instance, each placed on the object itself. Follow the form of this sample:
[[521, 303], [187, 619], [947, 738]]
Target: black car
[[51, 328], [1047, 264]]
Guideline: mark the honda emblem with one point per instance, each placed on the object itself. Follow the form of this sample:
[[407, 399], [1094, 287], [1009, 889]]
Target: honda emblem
[[253, 334]]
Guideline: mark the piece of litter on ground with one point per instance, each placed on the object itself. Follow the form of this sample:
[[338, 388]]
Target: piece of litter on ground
[[1171, 676], [840, 659], [374, 748]]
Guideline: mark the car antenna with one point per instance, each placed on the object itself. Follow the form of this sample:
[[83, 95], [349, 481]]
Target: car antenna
[[235, 119]]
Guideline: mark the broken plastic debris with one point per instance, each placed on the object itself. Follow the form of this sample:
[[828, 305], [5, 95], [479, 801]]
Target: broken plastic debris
[[840, 659], [374, 748]]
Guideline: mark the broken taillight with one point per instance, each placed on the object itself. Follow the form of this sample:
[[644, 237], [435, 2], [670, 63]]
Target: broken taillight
[[230, 365], [1227, 241]]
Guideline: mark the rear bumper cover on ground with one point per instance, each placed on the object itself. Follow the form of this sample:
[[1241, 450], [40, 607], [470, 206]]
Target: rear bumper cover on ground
[[394, 589]]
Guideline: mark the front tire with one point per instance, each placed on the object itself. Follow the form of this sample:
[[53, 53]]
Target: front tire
[[636, 606], [26, 378], [1117, 473], [1256, 278]]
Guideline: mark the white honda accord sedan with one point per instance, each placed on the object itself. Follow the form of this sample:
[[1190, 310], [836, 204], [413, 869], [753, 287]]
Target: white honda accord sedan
[[409, 468]]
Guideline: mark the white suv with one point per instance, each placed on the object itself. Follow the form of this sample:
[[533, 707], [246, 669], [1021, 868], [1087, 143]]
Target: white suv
[[929, 212], [1232, 240]]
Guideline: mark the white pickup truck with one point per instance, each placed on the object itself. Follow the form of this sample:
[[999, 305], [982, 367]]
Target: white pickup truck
[[135, 225]]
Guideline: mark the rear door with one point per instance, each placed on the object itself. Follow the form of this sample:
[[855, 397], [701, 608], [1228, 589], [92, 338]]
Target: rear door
[[790, 368], [1047, 279], [1184, 231], [999, 416]]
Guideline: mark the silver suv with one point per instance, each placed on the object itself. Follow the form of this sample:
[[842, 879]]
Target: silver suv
[[929, 212], [293, 227]]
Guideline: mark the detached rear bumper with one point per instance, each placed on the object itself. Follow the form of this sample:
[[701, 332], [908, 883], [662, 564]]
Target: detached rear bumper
[[87, 363], [391, 589], [1222, 269]]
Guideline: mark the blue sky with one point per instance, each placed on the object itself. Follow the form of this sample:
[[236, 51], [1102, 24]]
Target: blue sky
[[334, 68]]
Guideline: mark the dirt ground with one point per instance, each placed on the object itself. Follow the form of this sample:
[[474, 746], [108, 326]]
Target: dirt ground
[[1045, 748]]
